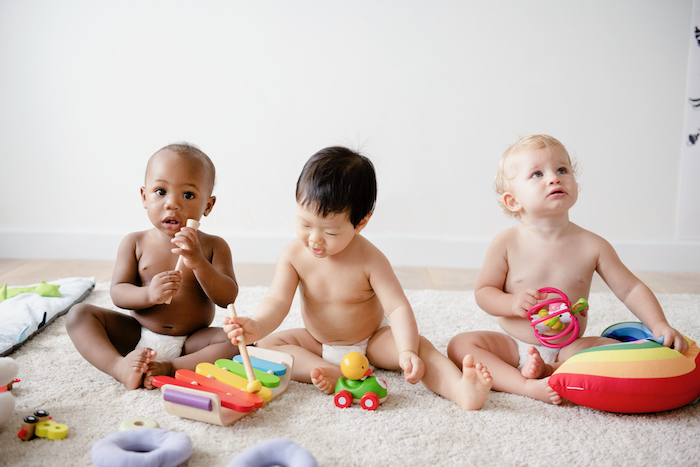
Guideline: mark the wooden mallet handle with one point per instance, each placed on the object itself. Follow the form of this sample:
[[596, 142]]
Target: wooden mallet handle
[[253, 384], [194, 224]]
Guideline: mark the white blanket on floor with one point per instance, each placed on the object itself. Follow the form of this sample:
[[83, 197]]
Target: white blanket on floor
[[26, 314]]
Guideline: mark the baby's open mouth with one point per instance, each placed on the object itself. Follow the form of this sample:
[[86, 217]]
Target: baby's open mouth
[[171, 222]]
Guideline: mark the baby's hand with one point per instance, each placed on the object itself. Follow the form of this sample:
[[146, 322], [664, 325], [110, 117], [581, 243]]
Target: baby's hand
[[234, 327], [671, 337], [412, 366], [525, 299], [163, 286], [187, 241]]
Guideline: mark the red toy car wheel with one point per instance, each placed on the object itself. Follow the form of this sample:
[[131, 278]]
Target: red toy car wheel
[[343, 399], [370, 401]]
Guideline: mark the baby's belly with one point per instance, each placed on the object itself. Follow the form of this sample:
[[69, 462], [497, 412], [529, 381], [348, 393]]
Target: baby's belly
[[168, 325], [333, 332]]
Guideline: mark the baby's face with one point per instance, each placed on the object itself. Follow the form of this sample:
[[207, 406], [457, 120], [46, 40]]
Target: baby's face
[[324, 236], [545, 182], [176, 189]]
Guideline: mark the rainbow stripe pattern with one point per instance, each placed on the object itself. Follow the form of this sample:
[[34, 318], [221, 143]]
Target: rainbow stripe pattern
[[637, 375]]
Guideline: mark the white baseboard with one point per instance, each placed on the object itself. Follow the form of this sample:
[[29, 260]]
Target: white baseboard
[[402, 250]]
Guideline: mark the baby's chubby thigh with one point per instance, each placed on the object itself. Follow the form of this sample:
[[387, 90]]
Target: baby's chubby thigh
[[382, 351], [487, 347], [299, 337], [204, 338]]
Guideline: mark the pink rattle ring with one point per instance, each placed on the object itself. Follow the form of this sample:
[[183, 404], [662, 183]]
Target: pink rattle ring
[[543, 313]]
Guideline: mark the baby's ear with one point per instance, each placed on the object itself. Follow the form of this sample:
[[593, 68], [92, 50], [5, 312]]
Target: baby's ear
[[510, 202], [363, 223], [210, 205], [143, 196]]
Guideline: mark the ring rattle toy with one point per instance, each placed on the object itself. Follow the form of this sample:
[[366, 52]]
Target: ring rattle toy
[[556, 314]]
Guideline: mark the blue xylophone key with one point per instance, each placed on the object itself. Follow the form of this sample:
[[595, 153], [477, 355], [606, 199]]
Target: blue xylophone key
[[277, 369]]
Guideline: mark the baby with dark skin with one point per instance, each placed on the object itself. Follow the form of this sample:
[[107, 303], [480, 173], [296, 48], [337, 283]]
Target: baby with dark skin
[[178, 186]]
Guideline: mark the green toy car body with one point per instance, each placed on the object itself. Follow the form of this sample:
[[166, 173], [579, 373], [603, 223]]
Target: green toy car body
[[368, 392]]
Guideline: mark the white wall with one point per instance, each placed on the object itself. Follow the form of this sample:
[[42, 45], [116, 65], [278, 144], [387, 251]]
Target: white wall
[[432, 91]]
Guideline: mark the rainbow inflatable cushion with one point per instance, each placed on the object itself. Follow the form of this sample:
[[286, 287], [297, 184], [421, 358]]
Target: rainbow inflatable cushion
[[637, 375]]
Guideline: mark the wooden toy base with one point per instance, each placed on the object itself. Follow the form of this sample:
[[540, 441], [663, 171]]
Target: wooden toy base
[[221, 415]]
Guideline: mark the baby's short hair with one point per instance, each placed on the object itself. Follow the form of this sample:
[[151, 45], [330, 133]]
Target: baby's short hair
[[338, 180], [191, 151], [526, 143]]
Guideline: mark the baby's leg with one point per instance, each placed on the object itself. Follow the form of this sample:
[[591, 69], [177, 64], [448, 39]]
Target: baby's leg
[[580, 344], [205, 345], [499, 353], [467, 388], [309, 367], [106, 339]]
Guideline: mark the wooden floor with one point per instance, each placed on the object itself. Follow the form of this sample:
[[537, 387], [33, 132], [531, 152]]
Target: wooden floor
[[16, 272]]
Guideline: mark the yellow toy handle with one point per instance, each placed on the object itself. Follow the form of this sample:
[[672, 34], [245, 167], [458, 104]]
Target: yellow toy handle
[[253, 384]]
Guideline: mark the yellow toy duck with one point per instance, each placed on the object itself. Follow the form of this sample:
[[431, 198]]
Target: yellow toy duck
[[355, 366]]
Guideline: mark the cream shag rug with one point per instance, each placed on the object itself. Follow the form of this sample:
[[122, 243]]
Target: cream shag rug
[[413, 426]]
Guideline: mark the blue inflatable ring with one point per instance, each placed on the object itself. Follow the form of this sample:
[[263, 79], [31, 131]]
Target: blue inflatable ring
[[274, 452], [142, 447]]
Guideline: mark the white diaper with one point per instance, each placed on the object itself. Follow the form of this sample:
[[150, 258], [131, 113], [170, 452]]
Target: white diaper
[[334, 353], [166, 347], [548, 355]]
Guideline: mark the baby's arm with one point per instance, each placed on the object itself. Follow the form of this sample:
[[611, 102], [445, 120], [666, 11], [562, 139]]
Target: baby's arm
[[216, 278], [489, 291], [403, 322], [126, 290], [638, 298], [271, 310]]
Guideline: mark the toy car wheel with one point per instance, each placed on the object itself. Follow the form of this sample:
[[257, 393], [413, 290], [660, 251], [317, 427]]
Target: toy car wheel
[[370, 401], [343, 399]]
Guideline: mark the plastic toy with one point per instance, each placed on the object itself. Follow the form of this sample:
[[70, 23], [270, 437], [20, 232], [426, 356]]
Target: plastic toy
[[358, 385], [237, 368], [274, 452], [40, 425], [556, 314], [8, 372], [253, 384], [138, 422], [215, 395], [637, 375], [194, 224], [142, 447], [270, 368]]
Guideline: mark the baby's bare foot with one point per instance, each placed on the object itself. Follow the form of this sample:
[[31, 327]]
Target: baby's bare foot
[[474, 386], [324, 379], [157, 369], [130, 369], [539, 389], [535, 367]]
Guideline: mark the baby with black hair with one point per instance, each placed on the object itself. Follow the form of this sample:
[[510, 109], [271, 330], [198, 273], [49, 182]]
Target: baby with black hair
[[351, 299]]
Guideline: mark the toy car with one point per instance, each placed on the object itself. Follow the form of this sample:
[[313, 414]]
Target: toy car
[[358, 386]]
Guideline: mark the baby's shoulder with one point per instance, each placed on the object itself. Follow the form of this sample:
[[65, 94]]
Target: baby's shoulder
[[586, 237], [135, 238], [506, 237], [210, 239]]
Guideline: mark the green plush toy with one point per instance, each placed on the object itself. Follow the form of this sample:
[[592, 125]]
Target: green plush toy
[[43, 289]]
